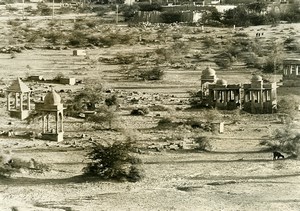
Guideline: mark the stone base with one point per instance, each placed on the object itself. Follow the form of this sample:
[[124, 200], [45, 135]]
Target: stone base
[[19, 114], [53, 136]]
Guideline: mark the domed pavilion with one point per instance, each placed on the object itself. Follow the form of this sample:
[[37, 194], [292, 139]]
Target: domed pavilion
[[260, 96], [52, 111], [20, 105], [208, 76]]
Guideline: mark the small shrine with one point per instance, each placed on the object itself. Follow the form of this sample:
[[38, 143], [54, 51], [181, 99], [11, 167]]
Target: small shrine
[[19, 107], [52, 116]]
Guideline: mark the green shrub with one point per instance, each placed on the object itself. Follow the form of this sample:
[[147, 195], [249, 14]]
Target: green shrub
[[224, 60], [11, 8], [10, 165], [145, 6], [14, 23], [158, 108], [139, 111], [114, 161], [106, 118], [171, 17], [129, 11], [287, 105], [65, 10], [125, 59], [54, 37], [112, 101], [202, 143], [43, 9], [58, 77], [77, 38], [165, 122], [85, 99], [285, 140], [151, 74], [208, 42]]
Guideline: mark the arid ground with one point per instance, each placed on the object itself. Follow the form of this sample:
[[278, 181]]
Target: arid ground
[[237, 174]]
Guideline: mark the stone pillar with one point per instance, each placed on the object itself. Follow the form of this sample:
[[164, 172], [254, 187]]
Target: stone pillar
[[8, 101], [261, 101], [21, 102], [16, 100], [28, 101], [240, 99], [252, 102], [56, 122], [225, 97], [48, 124], [43, 119], [62, 122]]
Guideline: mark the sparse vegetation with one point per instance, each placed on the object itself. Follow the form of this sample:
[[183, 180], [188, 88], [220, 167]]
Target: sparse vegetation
[[131, 70], [285, 140], [202, 143], [114, 161], [141, 111]]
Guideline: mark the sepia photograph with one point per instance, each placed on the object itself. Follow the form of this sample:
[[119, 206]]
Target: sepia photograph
[[149, 105]]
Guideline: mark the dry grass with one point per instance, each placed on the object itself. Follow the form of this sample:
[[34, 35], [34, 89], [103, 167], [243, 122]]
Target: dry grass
[[236, 174]]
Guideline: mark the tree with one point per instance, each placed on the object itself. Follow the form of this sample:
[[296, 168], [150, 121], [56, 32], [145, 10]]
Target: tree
[[257, 7], [86, 99], [237, 16], [107, 117], [274, 60], [114, 161], [287, 106]]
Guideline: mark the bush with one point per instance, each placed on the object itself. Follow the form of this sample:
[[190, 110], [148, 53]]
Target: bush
[[43, 9], [224, 60], [285, 140], [54, 37], [125, 59], [104, 116], [165, 122], [151, 74], [145, 6], [171, 17], [77, 38], [11, 8], [111, 101], [129, 11], [14, 23], [139, 111], [58, 77], [202, 143], [114, 161], [287, 105], [86, 99], [208, 42], [10, 165]]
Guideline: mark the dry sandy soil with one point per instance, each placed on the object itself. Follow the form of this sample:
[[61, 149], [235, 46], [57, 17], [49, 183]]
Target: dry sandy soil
[[236, 175]]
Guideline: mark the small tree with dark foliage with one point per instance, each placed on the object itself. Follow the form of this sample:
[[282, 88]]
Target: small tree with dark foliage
[[114, 161]]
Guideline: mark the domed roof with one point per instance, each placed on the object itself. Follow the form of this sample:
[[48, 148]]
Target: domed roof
[[208, 72], [256, 78], [221, 82], [52, 98]]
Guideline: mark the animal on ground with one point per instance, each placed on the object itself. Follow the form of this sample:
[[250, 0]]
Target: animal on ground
[[277, 155]]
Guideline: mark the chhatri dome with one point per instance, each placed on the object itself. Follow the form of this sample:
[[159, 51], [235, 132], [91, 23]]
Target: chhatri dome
[[52, 98], [208, 72], [221, 82], [256, 78]]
